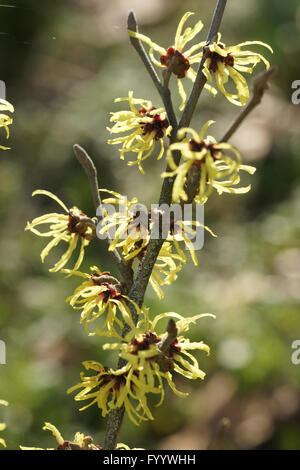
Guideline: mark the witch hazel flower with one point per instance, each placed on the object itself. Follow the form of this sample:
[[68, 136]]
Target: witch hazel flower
[[166, 268], [224, 62], [177, 57], [145, 126], [79, 442], [111, 389], [217, 170], [131, 234], [149, 363], [126, 228], [178, 356], [100, 297], [130, 227], [69, 228]]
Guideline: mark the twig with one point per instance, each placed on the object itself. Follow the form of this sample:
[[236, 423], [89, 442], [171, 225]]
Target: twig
[[172, 331], [91, 171], [162, 90], [88, 165], [200, 78], [260, 85]]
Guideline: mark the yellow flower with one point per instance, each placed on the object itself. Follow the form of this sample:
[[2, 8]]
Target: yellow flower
[[178, 355], [176, 56], [111, 389], [184, 231], [148, 365], [146, 126], [80, 441], [67, 227], [166, 267], [122, 446], [216, 169], [3, 425], [5, 120], [132, 236], [227, 62], [101, 296], [131, 233], [131, 226]]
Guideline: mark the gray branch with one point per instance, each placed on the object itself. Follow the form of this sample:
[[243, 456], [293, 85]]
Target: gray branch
[[163, 90], [91, 171], [259, 87]]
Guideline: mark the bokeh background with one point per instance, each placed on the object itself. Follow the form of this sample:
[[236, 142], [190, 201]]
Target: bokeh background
[[63, 64]]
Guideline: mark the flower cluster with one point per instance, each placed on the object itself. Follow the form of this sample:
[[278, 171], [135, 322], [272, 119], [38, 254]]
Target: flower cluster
[[80, 442], [146, 126], [148, 365], [5, 120], [130, 226], [176, 58], [224, 62], [216, 169], [100, 296], [221, 61], [69, 227], [3, 425]]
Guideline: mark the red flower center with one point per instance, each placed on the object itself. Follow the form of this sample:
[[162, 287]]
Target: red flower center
[[158, 125], [199, 146], [180, 64], [174, 349], [111, 291], [117, 381], [147, 340], [215, 58]]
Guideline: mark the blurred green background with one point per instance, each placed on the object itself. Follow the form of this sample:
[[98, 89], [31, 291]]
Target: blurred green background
[[63, 64]]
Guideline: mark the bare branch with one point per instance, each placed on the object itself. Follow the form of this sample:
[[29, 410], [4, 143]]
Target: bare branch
[[88, 165], [259, 87], [91, 171]]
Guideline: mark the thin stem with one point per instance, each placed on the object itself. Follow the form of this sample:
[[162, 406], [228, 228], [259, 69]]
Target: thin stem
[[91, 171], [88, 165], [162, 90], [260, 85]]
